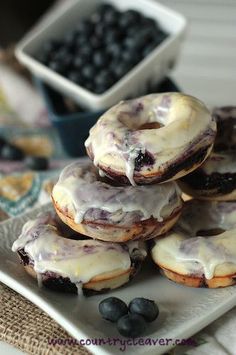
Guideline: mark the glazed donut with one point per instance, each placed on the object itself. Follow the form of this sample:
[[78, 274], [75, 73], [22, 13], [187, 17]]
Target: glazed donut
[[216, 178], [152, 139], [70, 265], [201, 249], [114, 213]]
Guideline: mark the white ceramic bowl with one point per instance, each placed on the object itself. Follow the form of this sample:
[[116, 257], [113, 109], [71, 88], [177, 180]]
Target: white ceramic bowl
[[152, 68]]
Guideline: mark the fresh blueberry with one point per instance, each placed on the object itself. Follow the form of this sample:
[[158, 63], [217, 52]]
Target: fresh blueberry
[[11, 152], [104, 79], [57, 66], [131, 325], [101, 59], [111, 17], [100, 29], [131, 57], [75, 76], [84, 27], [105, 8], [115, 50], [112, 36], [142, 160], [70, 38], [112, 308], [79, 62], [120, 69], [96, 42], [86, 51], [81, 40], [145, 308], [129, 18], [37, 163], [64, 57], [148, 49], [99, 89], [148, 22], [159, 38], [88, 72]]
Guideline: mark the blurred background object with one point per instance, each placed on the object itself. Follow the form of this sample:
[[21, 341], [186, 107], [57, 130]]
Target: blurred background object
[[17, 16]]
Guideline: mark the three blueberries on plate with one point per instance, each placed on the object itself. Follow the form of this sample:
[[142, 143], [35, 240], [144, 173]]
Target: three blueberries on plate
[[132, 319]]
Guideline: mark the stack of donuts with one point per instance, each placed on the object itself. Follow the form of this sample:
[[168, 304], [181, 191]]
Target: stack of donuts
[[142, 151]]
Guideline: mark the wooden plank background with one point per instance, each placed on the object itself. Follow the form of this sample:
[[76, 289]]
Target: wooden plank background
[[207, 64]]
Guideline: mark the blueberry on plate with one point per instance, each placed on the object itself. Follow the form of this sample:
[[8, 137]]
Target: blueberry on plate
[[112, 308], [37, 163], [131, 325], [145, 308], [11, 152]]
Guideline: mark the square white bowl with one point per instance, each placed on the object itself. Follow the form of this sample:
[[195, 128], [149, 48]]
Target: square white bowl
[[152, 68]]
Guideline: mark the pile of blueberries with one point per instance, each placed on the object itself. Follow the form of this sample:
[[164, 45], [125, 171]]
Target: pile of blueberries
[[102, 48], [11, 152], [131, 320]]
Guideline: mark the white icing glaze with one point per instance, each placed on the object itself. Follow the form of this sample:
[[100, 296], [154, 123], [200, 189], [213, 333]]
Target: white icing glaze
[[184, 252], [116, 139], [79, 260], [79, 189], [220, 163], [196, 255]]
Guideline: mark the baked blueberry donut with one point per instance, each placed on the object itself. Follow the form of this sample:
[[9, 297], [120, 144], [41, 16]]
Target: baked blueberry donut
[[69, 265], [152, 139], [216, 177], [114, 213], [201, 249]]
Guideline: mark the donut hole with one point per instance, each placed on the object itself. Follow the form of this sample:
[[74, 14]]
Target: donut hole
[[209, 232], [138, 124], [150, 125]]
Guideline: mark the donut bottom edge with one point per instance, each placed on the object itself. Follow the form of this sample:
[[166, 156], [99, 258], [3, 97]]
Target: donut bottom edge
[[197, 282], [95, 286], [143, 230], [208, 195]]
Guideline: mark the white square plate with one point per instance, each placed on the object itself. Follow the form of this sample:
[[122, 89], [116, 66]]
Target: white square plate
[[183, 310]]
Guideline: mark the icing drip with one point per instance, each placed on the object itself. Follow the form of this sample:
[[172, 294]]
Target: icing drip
[[79, 260], [187, 253], [81, 189]]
